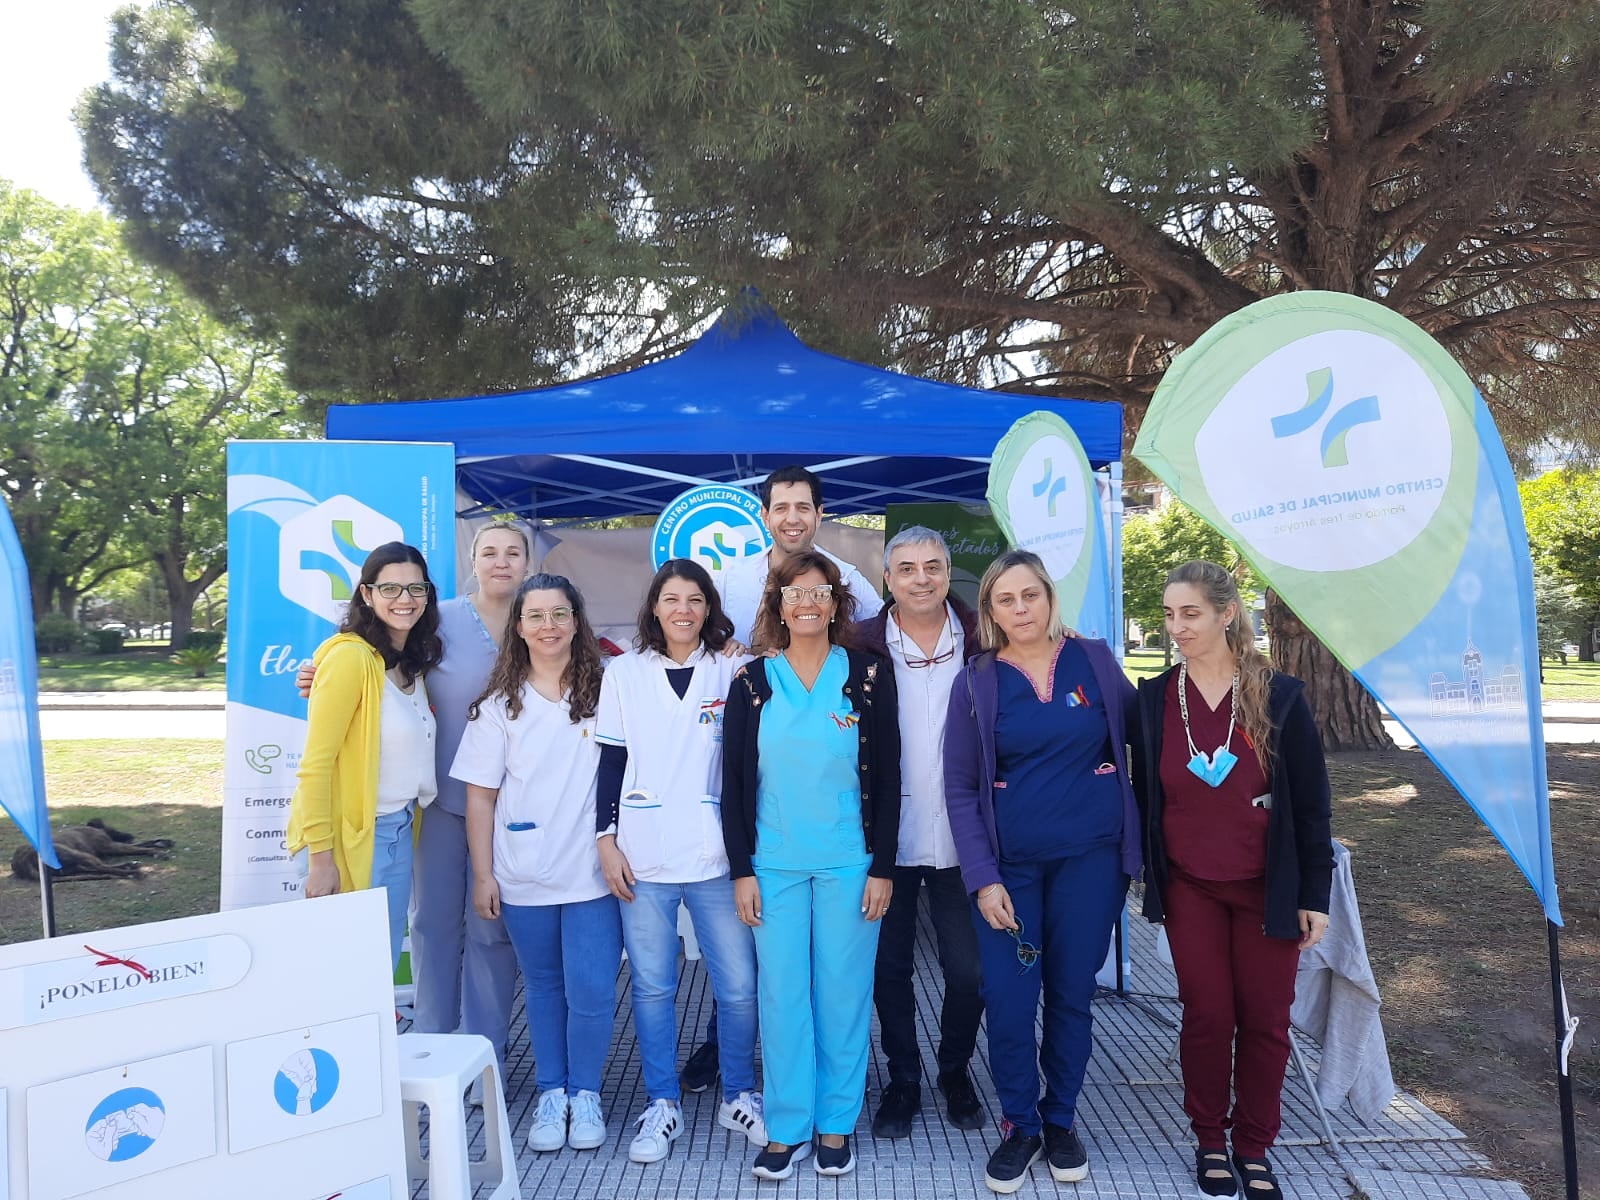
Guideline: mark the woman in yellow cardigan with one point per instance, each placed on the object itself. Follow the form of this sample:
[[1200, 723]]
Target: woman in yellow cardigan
[[368, 761]]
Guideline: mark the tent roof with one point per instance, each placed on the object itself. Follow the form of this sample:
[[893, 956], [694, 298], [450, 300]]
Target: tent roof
[[745, 398]]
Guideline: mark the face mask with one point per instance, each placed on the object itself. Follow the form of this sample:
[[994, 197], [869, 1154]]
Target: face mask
[[1210, 769]]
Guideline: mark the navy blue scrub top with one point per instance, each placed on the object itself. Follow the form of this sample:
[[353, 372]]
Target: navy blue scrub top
[[1057, 794]]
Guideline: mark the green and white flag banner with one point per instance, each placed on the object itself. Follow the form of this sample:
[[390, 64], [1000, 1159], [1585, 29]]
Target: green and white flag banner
[[1355, 464]]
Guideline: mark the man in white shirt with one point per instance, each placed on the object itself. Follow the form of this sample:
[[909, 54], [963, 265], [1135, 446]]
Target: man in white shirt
[[791, 509], [928, 635]]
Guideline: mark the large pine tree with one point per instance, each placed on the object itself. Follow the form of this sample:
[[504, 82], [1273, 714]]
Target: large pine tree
[[436, 196]]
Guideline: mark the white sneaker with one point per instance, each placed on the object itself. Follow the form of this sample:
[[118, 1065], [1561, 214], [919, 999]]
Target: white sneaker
[[549, 1128], [659, 1127], [745, 1114], [588, 1128]]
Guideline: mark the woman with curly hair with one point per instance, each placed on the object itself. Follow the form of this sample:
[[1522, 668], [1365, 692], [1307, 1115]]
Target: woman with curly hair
[[1239, 864], [810, 820], [368, 761], [530, 760]]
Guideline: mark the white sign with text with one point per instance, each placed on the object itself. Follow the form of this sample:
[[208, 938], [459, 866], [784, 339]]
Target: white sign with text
[[256, 1050]]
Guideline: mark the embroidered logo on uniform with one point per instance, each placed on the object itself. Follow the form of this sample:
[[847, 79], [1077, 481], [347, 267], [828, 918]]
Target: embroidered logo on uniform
[[711, 711], [1076, 698], [849, 721]]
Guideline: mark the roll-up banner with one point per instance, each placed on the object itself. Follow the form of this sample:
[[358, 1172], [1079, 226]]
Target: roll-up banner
[[1042, 492], [1354, 463], [302, 517], [21, 753]]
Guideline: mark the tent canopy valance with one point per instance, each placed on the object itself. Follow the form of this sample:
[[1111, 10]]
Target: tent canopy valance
[[745, 398]]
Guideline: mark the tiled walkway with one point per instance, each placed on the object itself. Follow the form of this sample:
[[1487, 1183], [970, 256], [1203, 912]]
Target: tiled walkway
[[1130, 1118]]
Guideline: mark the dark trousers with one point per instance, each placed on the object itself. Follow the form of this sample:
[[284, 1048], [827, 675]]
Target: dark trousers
[[1067, 908], [1236, 984], [951, 911]]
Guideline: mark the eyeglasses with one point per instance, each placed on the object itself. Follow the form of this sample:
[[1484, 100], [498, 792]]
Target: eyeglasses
[[391, 591], [943, 657], [821, 594], [556, 616], [1027, 952]]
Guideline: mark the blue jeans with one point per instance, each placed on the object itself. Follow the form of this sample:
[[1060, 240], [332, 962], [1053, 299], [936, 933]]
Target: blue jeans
[[391, 870], [650, 932], [569, 954], [1067, 908]]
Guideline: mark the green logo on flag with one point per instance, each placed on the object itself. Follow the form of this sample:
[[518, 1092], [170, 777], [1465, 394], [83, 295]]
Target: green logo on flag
[[1346, 501]]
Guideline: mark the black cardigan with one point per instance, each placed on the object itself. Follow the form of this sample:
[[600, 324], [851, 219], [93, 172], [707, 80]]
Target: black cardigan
[[870, 687], [1299, 851]]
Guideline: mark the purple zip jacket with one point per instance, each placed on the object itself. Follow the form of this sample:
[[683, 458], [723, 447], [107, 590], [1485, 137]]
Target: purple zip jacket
[[969, 761]]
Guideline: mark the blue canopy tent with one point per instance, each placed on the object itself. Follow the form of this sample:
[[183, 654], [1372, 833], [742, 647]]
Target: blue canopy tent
[[745, 398]]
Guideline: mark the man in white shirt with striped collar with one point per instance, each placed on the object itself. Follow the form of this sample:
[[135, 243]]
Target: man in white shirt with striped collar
[[791, 509]]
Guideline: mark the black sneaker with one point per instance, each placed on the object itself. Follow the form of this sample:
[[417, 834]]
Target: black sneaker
[[1008, 1165], [834, 1160], [775, 1164], [961, 1102], [902, 1100], [700, 1071], [1065, 1154]]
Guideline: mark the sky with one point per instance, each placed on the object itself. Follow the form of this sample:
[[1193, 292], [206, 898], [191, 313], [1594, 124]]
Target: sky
[[53, 51]]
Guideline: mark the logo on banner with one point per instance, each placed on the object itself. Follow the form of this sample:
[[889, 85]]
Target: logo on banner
[[1319, 386], [321, 551], [1344, 478], [713, 525], [1047, 515], [1050, 486]]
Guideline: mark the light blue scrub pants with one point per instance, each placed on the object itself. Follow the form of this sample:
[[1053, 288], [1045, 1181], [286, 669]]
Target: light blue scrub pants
[[816, 953]]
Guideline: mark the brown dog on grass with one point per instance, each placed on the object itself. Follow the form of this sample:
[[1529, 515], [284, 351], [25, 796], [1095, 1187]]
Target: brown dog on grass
[[83, 850]]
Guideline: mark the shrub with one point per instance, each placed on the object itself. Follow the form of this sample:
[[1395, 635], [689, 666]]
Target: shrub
[[107, 641], [198, 659], [55, 634], [204, 637]]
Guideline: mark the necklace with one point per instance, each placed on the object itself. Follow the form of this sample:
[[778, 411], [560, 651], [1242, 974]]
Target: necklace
[[1209, 769]]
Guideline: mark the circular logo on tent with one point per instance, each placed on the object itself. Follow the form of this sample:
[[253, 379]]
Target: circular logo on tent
[[1331, 453], [714, 525], [125, 1124]]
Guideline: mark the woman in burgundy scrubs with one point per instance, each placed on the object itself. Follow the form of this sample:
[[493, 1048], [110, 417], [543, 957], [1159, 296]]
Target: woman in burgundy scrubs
[[1238, 865]]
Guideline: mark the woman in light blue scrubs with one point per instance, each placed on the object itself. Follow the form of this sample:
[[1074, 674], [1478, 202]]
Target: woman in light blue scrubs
[[810, 817]]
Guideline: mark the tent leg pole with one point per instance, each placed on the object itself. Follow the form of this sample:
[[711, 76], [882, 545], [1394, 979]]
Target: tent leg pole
[[1566, 1027], [47, 900]]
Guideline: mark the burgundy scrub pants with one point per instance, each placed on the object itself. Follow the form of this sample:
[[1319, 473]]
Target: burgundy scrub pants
[[1236, 985]]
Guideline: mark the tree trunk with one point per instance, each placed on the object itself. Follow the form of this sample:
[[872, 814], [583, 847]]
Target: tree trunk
[[182, 592], [1347, 715]]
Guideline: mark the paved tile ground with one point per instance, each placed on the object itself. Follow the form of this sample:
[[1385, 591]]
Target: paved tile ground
[[1130, 1118]]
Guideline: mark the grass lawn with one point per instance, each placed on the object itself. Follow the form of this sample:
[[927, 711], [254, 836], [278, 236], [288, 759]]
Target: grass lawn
[[143, 670], [1575, 681], [151, 789], [1142, 664]]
